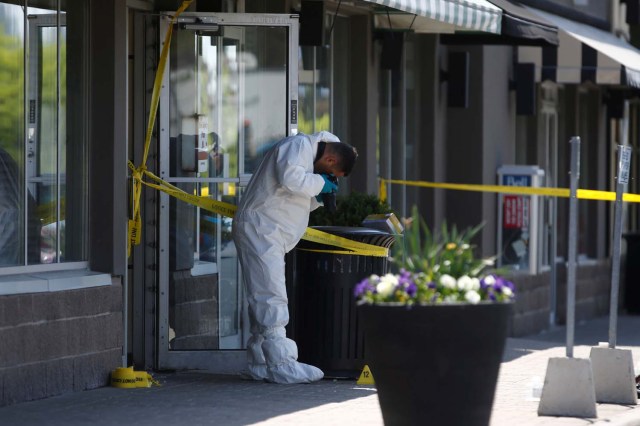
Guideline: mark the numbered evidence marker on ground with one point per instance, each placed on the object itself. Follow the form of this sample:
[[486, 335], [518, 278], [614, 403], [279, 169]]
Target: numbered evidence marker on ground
[[366, 378]]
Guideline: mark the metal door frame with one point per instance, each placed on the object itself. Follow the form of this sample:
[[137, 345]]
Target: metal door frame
[[219, 361]]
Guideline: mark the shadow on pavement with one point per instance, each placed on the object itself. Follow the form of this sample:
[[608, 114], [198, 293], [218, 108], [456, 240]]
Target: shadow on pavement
[[588, 333], [183, 398]]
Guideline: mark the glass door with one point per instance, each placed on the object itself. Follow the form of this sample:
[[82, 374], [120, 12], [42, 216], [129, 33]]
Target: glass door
[[229, 93]]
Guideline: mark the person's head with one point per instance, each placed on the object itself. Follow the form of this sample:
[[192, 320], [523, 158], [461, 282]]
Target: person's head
[[337, 159]]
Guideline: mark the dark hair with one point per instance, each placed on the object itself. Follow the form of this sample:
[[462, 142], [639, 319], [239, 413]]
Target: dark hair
[[347, 155]]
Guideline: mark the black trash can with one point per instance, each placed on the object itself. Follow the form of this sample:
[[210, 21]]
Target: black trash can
[[632, 273], [323, 317]]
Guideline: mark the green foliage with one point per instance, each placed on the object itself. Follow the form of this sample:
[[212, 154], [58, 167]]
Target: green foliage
[[446, 252], [350, 210]]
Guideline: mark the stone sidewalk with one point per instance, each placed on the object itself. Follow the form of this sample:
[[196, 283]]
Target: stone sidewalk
[[199, 398]]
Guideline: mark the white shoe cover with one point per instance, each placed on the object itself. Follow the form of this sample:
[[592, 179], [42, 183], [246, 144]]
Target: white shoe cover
[[294, 372], [256, 364], [281, 355], [255, 372]]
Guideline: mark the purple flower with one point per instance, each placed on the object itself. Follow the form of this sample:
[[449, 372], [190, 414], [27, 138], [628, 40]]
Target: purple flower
[[411, 289], [404, 280], [488, 281], [509, 284], [363, 287], [405, 274]]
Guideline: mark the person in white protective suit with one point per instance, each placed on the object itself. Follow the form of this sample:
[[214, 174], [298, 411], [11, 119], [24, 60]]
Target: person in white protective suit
[[271, 218]]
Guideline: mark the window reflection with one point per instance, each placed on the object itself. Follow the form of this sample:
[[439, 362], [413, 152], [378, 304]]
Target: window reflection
[[37, 136], [314, 89], [12, 195]]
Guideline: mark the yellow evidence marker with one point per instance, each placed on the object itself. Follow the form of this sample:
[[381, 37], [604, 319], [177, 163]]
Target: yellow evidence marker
[[366, 378]]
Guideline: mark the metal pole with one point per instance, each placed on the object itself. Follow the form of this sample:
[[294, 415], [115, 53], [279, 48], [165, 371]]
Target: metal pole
[[554, 219], [624, 158], [554, 256], [573, 231], [387, 148]]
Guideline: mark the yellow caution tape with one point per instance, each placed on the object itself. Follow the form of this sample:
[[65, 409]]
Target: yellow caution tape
[[229, 210], [356, 247], [134, 228], [585, 194], [145, 380], [123, 377], [128, 378], [209, 204]]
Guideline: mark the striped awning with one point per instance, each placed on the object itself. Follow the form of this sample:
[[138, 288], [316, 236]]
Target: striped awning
[[584, 53], [456, 15]]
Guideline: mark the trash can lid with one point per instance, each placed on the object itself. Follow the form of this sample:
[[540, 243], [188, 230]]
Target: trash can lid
[[349, 230]]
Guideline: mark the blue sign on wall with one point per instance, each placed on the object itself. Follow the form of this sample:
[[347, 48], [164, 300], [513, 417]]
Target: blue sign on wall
[[516, 180]]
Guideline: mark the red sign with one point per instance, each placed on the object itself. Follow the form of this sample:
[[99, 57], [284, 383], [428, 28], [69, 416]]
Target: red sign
[[516, 212]]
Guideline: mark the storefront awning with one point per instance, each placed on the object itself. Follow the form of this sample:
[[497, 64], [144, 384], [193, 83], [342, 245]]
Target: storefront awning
[[440, 16], [519, 23], [585, 53], [519, 27]]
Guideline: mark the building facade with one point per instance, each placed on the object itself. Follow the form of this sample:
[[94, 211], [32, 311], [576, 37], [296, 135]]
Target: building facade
[[423, 95]]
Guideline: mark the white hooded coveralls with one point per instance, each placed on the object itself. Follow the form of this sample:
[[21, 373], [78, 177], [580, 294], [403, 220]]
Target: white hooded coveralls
[[271, 218]]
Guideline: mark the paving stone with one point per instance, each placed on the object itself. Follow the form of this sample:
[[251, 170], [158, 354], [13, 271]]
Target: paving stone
[[201, 398]]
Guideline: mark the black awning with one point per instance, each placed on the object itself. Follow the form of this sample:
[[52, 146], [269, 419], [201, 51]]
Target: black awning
[[519, 27], [517, 21]]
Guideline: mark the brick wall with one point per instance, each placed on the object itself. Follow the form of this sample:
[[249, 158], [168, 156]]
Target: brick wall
[[532, 307], [52, 343], [593, 291], [531, 310], [193, 311]]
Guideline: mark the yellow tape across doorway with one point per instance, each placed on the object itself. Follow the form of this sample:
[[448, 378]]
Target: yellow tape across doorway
[[585, 194], [228, 210]]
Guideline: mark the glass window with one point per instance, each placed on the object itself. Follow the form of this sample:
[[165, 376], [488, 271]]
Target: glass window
[[42, 133], [314, 89], [241, 74], [323, 85], [12, 189]]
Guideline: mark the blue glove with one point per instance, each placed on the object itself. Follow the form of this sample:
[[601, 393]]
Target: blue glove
[[329, 185]]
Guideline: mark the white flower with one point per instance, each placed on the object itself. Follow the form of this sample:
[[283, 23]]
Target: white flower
[[448, 281], [464, 283], [489, 280], [386, 285], [474, 284], [450, 298], [472, 296], [507, 291]]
